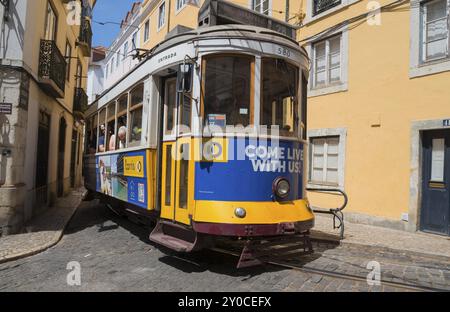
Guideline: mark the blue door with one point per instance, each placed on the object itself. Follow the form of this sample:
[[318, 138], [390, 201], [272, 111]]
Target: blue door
[[435, 212]]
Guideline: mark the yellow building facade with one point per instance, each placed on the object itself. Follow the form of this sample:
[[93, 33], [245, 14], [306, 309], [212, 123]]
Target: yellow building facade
[[379, 85], [158, 17], [45, 49]]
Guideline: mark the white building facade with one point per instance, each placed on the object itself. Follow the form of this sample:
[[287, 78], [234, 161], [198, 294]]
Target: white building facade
[[120, 55], [96, 74]]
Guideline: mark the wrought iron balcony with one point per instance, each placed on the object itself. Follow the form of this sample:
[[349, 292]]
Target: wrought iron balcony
[[52, 69], [324, 5], [80, 102], [85, 38]]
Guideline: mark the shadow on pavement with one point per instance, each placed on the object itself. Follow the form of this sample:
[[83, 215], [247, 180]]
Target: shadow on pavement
[[95, 214]]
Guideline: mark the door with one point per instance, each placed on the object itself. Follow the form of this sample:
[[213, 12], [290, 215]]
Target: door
[[73, 156], [176, 166], [42, 159], [435, 210], [61, 150]]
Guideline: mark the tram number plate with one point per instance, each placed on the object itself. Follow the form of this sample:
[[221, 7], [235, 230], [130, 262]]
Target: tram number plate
[[284, 52]]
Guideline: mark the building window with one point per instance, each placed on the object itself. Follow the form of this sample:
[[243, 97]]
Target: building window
[[324, 162], [79, 74], [261, 6], [327, 62], [180, 4], [429, 38], [147, 30], [435, 30], [68, 56], [113, 62], [51, 22], [162, 15], [320, 6], [125, 50], [134, 40], [327, 157], [118, 59], [107, 71]]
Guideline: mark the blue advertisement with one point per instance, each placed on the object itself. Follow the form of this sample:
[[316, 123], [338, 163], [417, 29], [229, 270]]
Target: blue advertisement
[[124, 176], [249, 169]]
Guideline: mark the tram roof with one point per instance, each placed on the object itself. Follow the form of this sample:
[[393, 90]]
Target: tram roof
[[227, 31]]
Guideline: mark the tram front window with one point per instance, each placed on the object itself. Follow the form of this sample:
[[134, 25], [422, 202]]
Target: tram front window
[[227, 91], [279, 96]]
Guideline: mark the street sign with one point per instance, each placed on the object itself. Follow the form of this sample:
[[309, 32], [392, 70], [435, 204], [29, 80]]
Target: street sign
[[6, 108], [446, 123]]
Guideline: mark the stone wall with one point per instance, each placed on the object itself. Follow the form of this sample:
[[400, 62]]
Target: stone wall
[[14, 84]]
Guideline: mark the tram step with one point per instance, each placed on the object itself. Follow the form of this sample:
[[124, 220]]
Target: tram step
[[174, 236]]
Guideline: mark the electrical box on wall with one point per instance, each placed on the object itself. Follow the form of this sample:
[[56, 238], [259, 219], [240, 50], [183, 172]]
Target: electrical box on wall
[[405, 217]]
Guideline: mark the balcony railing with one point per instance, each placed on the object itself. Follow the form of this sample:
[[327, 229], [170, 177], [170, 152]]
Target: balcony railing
[[52, 68], [324, 5], [85, 38], [80, 102]]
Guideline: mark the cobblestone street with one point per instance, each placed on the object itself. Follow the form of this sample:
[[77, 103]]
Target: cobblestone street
[[115, 255]]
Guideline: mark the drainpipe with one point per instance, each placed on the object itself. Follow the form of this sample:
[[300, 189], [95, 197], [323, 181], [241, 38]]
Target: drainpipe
[[168, 16], [286, 16]]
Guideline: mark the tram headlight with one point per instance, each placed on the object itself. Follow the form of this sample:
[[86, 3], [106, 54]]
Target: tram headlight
[[281, 187], [240, 212]]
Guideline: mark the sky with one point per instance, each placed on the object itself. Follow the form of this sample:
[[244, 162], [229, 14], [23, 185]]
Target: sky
[[108, 11]]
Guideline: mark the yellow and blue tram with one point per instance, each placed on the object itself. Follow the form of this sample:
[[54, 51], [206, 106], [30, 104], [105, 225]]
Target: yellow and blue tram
[[207, 135]]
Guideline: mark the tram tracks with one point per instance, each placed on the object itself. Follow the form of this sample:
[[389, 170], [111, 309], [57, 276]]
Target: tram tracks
[[318, 271], [334, 274]]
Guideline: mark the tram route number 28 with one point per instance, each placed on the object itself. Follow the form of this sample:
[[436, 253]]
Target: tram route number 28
[[284, 52]]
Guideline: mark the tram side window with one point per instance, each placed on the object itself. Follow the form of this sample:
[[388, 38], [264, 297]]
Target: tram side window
[[91, 135], [102, 131], [111, 127], [122, 122], [136, 109], [280, 96], [227, 91], [184, 177], [170, 105], [185, 111], [93, 142]]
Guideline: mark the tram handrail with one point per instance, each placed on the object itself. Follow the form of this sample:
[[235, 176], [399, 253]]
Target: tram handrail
[[336, 212]]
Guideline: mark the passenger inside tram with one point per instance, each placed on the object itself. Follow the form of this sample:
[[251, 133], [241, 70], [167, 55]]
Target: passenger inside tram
[[101, 139], [112, 142], [122, 135], [122, 132], [112, 137]]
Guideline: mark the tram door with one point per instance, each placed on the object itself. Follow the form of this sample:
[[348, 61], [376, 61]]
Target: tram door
[[175, 160]]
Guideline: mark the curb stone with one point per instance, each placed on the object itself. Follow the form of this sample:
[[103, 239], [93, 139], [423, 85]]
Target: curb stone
[[51, 242]]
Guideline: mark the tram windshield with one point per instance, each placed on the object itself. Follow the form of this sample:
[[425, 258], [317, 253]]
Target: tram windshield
[[227, 91], [279, 96]]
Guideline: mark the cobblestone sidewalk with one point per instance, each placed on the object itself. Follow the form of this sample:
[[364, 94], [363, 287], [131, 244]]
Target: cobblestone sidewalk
[[375, 236], [43, 231]]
